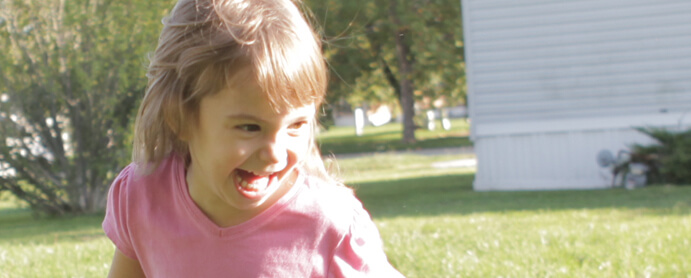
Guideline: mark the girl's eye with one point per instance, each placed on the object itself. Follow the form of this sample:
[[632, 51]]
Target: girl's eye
[[297, 128], [298, 125], [249, 127]]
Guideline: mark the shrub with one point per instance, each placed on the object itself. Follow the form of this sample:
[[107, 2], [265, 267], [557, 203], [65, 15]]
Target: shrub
[[669, 159]]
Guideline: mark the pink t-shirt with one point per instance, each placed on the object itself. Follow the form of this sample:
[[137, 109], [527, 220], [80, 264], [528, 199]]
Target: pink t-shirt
[[315, 230]]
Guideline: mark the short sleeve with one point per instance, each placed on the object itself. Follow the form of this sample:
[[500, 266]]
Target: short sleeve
[[116, 224], [361, 253]]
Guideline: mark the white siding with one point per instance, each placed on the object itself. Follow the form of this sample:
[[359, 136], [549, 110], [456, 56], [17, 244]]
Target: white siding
[[552, 82], [537, 60], [560, 160]]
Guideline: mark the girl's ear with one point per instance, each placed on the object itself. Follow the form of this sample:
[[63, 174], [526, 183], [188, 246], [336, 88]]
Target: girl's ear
[[183, 136], [183, 125], [180, 129], [177, 129], [183, 131]]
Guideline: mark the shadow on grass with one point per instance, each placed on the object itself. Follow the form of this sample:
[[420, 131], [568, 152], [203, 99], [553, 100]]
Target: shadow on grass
[[18, 225], [453, 194]]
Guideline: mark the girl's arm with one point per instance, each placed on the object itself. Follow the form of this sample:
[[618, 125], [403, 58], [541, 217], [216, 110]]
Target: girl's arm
[[361, 251], [125, 267]]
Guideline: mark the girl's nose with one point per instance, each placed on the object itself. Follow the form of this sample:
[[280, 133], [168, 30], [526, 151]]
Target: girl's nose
[[275, 156]]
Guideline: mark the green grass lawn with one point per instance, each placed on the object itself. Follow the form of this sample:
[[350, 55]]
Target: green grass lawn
[[340, 140], [434, 225], [60, 247]]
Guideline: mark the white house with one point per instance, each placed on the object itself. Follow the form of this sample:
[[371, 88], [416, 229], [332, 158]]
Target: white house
[[553, 82]]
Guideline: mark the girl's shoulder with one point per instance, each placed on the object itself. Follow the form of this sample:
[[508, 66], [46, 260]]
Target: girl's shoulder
[[137, 180], [330, 193], [335, 204], [134, 199]]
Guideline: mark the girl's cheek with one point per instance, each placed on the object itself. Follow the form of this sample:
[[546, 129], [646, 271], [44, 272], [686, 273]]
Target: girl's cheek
[[300, 145], [242, 149]]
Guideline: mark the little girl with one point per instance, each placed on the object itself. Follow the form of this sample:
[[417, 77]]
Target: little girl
[[227, 180]]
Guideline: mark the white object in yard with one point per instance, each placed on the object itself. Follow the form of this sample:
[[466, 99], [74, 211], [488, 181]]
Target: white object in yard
[[359, 121], [460, 163], [445, 123], [381, 116], [430, 120]]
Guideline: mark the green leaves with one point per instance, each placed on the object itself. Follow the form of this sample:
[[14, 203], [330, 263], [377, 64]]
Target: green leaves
[[359, 42], [73, 72], [361, 39], [669, 160]]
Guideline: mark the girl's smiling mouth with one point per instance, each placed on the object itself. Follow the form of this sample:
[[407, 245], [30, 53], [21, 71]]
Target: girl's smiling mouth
[[252, 185]]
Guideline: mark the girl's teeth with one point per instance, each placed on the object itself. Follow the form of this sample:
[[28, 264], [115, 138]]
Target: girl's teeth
[[246, 185], [256, 185]]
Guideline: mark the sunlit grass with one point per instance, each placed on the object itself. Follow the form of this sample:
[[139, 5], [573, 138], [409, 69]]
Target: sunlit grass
[[52, 247], [436, 226], [553, 243], [388, 166], [82, 258], [340, 140]]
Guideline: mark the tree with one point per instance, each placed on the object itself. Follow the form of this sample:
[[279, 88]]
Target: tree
[[70, 77], [413, 46]]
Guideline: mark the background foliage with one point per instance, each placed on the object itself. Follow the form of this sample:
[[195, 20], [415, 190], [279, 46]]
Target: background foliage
[[71, 74], [362, 43], [668, 161]]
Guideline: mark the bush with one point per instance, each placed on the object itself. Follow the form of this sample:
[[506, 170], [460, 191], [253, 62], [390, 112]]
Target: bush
[[669, 160]]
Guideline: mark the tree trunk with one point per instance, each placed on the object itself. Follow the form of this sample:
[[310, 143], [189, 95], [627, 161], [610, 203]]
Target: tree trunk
[[405, 72]]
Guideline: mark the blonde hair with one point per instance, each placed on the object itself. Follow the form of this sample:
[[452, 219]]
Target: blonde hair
[[203, 44]]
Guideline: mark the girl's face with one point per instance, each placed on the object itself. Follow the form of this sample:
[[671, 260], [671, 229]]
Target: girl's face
[[243, 153]]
